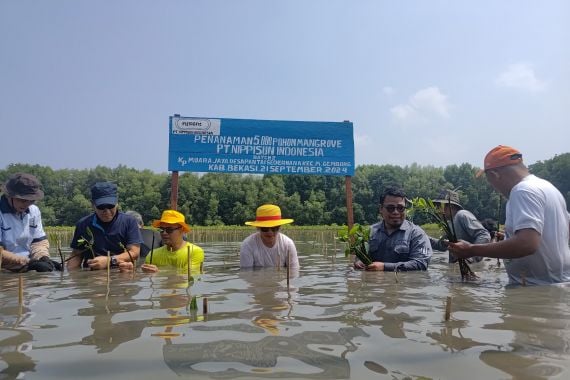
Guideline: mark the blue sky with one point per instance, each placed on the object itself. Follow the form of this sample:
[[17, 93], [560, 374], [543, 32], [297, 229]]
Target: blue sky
[[86, 83]]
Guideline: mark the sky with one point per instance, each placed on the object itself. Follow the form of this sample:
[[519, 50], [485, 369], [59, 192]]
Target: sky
[[86, 83]]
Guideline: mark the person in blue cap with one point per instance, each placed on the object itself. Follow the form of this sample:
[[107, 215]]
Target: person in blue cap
[[106, 232]]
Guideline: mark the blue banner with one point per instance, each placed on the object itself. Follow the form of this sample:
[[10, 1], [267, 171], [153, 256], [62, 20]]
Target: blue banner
[[260, 146]]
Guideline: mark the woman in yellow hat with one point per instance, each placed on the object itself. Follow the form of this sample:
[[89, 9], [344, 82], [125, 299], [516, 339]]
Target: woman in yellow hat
[[268, 247], [174, 252]]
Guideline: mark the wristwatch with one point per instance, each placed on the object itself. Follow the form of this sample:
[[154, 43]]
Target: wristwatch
[[114, 261]]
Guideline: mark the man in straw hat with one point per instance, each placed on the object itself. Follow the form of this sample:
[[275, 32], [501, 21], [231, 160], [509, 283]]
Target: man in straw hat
[[22, 237], [105, 235], [465, 224], [175, 251], [535, 249], [268, 247]]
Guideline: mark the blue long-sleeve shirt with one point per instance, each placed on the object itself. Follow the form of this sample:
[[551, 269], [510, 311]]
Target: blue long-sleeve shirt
[[407, 248]]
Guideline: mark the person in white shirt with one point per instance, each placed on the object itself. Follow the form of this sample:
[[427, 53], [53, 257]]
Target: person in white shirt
[[535, 249], [268, 246], [24, 243]]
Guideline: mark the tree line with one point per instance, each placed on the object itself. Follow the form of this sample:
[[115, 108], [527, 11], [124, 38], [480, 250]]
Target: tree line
[[231, 199]]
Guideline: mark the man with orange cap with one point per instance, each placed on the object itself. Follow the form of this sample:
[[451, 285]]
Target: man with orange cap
[[268, 247], [535, 249]]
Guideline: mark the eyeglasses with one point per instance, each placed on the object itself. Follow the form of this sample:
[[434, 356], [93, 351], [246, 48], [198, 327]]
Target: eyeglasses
[[392, 208], [168, 230], [267, 229], [105, 207]]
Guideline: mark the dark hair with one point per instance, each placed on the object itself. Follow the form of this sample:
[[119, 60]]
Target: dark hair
[[392, 191]]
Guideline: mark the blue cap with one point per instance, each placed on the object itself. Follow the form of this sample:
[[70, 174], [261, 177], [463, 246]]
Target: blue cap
[[104, 193]]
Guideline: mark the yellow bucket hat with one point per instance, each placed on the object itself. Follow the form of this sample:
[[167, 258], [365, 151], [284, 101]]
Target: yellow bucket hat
[[268, 216], [172, 217]]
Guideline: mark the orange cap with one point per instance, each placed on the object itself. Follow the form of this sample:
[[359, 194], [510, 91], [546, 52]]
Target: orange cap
[[500, 156]]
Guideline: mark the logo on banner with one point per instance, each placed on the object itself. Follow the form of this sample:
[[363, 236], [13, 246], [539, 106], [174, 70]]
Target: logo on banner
[[191, 126]]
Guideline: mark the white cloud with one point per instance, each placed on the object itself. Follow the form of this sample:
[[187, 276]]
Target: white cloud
[[423, 105], [520, 76], [387, 90]]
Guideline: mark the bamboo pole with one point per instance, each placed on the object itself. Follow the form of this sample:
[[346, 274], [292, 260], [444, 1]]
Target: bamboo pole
[[20, 290], [448, 308], [288, 268]]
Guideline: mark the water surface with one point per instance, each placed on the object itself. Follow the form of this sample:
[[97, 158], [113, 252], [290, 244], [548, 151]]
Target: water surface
[[331, 322]]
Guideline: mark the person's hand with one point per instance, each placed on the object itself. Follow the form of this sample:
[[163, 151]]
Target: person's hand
[[126, 266], [359, 265], [377, 266], [444, 243], [149, 268], [99, 262], [460, 249], [500, 235], [43, 264]]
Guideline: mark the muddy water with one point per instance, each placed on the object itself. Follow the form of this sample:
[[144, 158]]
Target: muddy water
[[331, 322]]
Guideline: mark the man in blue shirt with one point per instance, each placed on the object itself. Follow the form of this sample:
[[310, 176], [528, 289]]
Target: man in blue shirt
[[396, 244], [105, 231]]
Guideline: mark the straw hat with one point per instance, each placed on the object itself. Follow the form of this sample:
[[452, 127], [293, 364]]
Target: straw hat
[[172, 217], [268, 216]]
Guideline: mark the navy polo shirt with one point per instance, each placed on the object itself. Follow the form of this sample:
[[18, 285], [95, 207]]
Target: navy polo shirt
[[103, 237]]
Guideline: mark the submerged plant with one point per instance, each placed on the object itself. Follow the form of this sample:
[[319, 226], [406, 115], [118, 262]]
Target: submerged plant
[[86, 244], [357, 239], [447, 228]]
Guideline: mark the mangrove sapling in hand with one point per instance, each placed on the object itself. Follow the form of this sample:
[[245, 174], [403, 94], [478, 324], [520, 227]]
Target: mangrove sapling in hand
[[357, 239], [447, 228]]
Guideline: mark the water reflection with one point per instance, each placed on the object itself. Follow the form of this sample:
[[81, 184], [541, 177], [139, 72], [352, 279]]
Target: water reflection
[[310, 354], [331, 321], [15, 340], [541, 341]]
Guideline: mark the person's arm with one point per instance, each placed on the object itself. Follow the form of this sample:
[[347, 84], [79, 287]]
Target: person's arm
[[74, 261], [39, 248], [525, 242], [438, 244], [246, 254], [10, 259]]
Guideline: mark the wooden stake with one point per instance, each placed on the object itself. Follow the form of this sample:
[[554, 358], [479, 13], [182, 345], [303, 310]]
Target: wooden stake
[[205, 305], [20, 290], [188, 259], [448, 308], [1, 254], [288, 266]]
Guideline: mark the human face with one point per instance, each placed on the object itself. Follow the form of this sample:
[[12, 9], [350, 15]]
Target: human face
[[105, 213], [171, 234], [393, 211], [493, 177], [21, 205], [268, 235]]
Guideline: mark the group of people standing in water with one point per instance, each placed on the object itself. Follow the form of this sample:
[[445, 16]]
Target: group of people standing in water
[[534, 244]]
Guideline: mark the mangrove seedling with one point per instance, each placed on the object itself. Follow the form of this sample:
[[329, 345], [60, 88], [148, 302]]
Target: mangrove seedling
[[447, 228], [357, 239]]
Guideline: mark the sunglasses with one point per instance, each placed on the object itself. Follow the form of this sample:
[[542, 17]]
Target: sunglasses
[[168, 230], [392, 208], [267, 229], [105, 207]]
